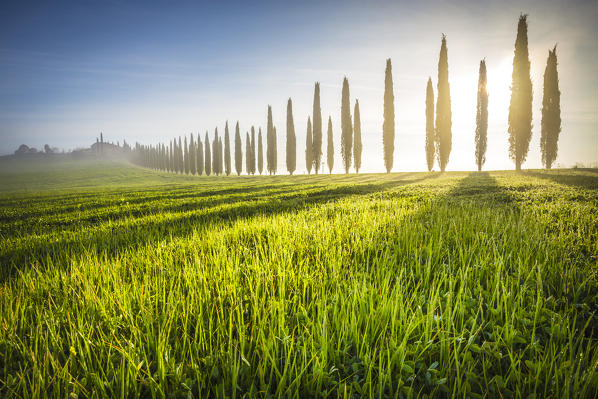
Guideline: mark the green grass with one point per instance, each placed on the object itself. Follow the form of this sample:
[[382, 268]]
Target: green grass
[[117, 281]]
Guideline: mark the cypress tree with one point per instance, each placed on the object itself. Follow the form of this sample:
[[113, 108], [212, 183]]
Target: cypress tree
[[186, 157], [260, 152], [220, 157], [154, 157], [330, 147], [247, 153], [238, 151], [226, 150], [200, 160], [317, 130], [164, 156], [181, 159], [175, 150], [291, 140], [357, 144], [253, 150], [520, 109], [192, 156], [175, 157], [430, 131], [208, 156], [481, 129], [215, 153], [270, 143], [170, 158], [443, 109], [551, 111], [388, 126], [346, 126], [159, 157], [309, 160]]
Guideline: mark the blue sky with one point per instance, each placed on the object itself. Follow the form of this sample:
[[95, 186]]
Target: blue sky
[[149, 71]]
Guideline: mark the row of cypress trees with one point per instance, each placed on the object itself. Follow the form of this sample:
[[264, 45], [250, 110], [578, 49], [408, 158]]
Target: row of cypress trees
[[438, 133], [351, 146], [193, 157]]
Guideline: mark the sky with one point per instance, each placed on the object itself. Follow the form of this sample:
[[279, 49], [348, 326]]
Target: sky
[[148, 71]]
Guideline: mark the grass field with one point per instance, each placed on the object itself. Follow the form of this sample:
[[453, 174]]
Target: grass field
[[117, 281]]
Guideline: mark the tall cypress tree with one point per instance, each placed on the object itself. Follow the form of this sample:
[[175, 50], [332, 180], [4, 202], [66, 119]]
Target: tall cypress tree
[[171, 159], [165, 160], [291, 140], [346, 126], [551, 111], [176, 156], [175, 150], [186, 156], [220, 156], [175, 162], [181, 158], [260, 152], [238, 151], [200, 160], [357, 145], [481, 128], [192, 155], [215, 153], [520, 109], [430, 131], [247, 153], [226, 150], [330, 146], [309, 160], [253, 150], [317, 130], [270, 143], [208, 156], [388, 126], [443, 109]]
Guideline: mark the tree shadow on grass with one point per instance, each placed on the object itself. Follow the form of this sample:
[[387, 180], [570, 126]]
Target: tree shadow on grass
[[145, 205], [482, 187], [60, 204], [112, 239], [121, 205], [577, 180]]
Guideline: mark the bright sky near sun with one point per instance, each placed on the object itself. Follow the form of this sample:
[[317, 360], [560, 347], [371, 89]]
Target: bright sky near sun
[[149, 71]]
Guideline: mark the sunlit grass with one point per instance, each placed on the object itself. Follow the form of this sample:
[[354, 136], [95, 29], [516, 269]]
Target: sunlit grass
[[142, 284]]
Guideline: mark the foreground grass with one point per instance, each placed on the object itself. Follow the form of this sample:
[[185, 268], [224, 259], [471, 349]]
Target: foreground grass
[[136, 283]]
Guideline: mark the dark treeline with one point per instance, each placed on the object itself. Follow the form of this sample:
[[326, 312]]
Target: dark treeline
[[190, 156]]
